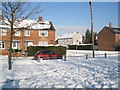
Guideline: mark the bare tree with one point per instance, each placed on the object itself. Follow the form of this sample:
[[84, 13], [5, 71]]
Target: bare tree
[[14, 13]]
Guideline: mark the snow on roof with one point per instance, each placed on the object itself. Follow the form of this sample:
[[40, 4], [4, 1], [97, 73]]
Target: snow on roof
[[67, 35], [33, 24]]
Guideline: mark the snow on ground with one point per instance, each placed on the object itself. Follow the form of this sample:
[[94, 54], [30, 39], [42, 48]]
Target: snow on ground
[[76, 72]]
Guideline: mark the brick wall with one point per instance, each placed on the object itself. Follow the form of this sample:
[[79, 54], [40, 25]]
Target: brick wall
[[106, 39], [34, 36]]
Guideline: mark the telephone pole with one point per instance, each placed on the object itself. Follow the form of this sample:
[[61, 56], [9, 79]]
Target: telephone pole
[[92, 32]]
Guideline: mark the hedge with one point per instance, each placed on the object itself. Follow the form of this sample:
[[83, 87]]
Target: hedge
[[80, 47], [31, 50], [117, 48]]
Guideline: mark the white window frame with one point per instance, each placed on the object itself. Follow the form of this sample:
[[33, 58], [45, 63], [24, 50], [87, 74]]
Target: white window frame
[[2, 43], [3, 32], [27, 33], [26, 44], [43, 43], [17, 33], [43, 32], [119, 36], [17, 44]]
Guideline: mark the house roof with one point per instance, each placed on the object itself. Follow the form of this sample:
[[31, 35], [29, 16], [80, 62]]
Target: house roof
[[67, 35], [33, 24], [114, 30]]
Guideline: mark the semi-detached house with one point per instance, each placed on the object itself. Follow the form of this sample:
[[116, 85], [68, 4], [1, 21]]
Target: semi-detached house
[[73, 38], [109, 38], [39, 34]]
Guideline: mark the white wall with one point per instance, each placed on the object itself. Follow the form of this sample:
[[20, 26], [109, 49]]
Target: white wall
[[77, 37], [66, 41]]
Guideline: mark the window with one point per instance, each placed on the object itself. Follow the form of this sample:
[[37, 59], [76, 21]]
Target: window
[[2, 45], [43, 43], [3, 32], [43, 33], [28, 43], [1, 23], [27, 33], [69, 40], [16, 45], [17, 33], [119, 36]]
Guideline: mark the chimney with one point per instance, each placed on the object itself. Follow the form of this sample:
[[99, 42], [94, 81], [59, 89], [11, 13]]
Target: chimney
[[110, 24], [39, 18]]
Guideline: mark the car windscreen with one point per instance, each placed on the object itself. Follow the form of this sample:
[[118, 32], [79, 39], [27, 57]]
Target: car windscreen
[[47, 52]]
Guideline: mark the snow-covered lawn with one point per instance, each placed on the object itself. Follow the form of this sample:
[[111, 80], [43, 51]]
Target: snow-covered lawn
[[76, 72]]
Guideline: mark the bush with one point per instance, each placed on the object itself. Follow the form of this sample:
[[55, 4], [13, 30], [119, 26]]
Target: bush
[[80, 47], [31, 50]]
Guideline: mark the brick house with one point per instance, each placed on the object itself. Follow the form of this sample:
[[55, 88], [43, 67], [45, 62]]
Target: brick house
[[72, 38], [41, 33], [109, 38]]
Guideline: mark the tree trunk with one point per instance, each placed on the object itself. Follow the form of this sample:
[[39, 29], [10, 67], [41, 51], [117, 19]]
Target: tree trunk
[[10, 49], [10, 52]]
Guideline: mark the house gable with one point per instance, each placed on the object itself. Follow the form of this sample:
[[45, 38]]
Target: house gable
[[77, 38], [104, 29], [106, 39]]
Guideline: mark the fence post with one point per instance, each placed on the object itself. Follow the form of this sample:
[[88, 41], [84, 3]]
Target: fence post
[[86, 56], [38, 59], [105, 55], [64, 57]]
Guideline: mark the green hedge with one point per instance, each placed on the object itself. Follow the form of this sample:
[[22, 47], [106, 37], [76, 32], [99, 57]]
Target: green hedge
[[31, 50], [80, 47]]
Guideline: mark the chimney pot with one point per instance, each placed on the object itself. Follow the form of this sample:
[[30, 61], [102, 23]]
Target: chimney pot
[[39, 18], [110, 24]]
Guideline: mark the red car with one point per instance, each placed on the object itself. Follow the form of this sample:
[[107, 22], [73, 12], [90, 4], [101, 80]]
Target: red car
[[46, 55]]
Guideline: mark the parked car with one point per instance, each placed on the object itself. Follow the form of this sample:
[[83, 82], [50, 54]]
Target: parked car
[[46, 55]]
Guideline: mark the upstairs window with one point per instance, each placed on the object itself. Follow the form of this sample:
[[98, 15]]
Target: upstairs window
[[27, 33], [17, 33], [43, 33], [3, 32]]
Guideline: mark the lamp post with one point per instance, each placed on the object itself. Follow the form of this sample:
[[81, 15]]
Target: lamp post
[[92, 31], [76, 45]]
